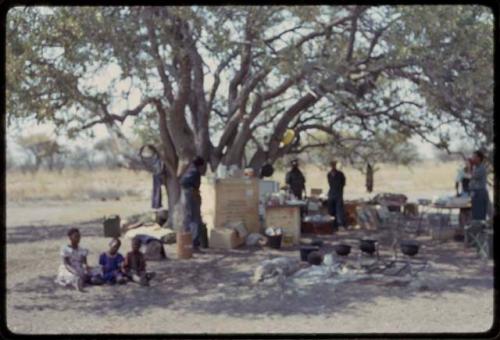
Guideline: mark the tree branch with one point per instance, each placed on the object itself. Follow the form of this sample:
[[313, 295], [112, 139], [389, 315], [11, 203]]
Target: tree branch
[[110, 118]]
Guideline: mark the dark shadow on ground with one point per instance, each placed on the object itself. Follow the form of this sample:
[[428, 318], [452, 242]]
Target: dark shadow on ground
[[218, 282], [31, 233]]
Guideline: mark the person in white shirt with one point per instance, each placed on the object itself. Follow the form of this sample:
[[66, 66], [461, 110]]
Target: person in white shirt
[[74, 270]]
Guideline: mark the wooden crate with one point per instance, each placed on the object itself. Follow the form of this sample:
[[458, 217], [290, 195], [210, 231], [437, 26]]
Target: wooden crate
[[223, 238], [286, 217], [350, 213], [317, 228], [237, 199]]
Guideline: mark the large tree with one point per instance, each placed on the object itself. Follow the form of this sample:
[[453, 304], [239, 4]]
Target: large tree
[[227, 82]]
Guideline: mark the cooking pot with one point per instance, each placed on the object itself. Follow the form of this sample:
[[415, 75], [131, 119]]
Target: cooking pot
[[367, 245], [315, 258], [342, 249], [409, 248], [306, 250]]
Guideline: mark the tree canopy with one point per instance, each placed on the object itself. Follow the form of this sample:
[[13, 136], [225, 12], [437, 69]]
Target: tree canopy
[[227, 82]]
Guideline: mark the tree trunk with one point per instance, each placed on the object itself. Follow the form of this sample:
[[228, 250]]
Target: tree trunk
[[173, 187]]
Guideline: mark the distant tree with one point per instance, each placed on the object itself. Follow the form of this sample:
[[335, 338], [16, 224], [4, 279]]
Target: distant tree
[[41, 147]]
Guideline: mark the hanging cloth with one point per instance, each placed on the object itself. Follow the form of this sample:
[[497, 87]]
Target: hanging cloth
[[369, 177]]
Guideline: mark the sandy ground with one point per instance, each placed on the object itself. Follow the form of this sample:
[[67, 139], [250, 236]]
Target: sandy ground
[[212, 293]]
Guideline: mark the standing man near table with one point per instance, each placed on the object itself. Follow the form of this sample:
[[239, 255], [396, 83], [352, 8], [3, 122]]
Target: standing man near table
[[295, 180], [477, 186], [336, 182]]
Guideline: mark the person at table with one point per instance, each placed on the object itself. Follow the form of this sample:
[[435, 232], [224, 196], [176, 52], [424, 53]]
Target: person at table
[[295, 180], [336, 182], [463, 178], [477, 185]]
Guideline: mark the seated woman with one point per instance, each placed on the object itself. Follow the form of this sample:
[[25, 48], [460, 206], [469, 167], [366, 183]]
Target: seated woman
[[111, 264], [135, 264], [74, 270]]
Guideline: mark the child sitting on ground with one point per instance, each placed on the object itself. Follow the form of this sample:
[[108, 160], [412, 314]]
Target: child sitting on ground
[[135, 264], [74, 270], [111, 264]]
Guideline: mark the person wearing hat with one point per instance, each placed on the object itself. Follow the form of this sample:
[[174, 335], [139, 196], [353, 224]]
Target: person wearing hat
[[295, 180], [336, 182]]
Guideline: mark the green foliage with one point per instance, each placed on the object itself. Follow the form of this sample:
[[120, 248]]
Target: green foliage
[[439, 58]]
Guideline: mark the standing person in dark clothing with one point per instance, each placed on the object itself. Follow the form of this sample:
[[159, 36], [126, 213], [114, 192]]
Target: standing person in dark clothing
[[151, 158], [477, 186], [336, 182], [296, 180], [190, 182]]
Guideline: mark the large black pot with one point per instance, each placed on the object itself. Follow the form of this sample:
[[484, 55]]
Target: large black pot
[[306, 250], [367, 245], [315, 258], [409, 248], [342, 249]]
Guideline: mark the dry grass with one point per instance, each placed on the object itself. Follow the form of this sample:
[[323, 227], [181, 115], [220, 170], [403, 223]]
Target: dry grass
[[427, 178], [77, 185]]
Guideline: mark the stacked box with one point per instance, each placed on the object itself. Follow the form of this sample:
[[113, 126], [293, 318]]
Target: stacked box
[[225, 238], [286, 217], [237, 199]]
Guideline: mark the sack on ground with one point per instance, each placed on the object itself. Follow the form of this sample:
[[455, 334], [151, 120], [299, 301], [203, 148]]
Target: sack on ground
[[153, 250], [255, 239], [281, 266]]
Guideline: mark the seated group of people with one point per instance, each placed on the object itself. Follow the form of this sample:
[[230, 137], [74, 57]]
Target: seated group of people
[[113, 267]]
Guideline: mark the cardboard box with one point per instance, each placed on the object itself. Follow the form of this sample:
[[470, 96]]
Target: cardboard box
[[224, 238], [286, 217], [350, 213], [315, 192], [237, 199]]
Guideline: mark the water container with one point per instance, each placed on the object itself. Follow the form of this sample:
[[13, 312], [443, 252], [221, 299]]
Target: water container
[[111, 226], [275, 241], [184, 245]]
